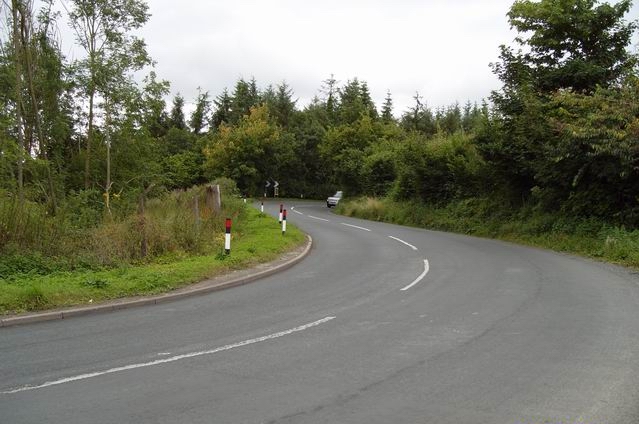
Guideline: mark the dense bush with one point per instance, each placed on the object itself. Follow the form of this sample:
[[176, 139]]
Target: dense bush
[[437, 170]]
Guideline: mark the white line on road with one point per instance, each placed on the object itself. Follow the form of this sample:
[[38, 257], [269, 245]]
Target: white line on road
[[319, 219], [297, 212], [355, 226], [402, 241], [420, 278], [171, 359]]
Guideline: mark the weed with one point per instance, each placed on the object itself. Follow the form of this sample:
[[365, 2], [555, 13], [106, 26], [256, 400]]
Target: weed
[[96, 283], [32, 298]]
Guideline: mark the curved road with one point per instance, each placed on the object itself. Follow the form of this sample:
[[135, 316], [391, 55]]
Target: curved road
[[380, 324]]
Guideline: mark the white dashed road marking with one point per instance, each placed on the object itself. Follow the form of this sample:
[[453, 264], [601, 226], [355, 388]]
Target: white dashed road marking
[[420, 278], [355, 226], [402, 241]]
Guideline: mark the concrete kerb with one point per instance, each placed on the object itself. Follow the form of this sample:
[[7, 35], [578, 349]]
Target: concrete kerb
[[215, 284]]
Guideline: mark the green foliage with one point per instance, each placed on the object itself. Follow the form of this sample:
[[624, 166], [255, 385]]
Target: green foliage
[[96, 283], [152, 105], [562, 135], [249, 153], [593, 153], [437, 171], [245, 96], [419, 118], [199, 117], [183, 170], [32, 299], [222, 113], [355, 102], [379, 170], [577, 44], [344, 149], [387, 108], [177, 119]]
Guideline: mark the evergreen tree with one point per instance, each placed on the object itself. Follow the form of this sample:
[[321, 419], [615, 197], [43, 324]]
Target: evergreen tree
[[283, 106], [199, 116], [331, 93], [450, 119], [387, 108], [244, 97], [222, 113], [268, 96], [367, 101], [419, 118], [177, 119], [351, 102]]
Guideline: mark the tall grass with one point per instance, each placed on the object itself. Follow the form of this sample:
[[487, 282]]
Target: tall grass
[[79, 237], [256, 238], [490, 217], [84, 254]]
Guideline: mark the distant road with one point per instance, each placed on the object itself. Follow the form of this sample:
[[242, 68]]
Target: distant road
[[380, 324]]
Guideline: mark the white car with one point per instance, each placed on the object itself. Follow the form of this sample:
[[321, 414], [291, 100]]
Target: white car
[[334, 199]]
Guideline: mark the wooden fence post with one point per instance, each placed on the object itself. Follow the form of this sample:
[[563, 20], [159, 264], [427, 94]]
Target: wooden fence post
[[213, 200], [142, 221]]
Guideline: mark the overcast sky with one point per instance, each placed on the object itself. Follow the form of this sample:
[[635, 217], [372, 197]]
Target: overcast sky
[[437, 47]]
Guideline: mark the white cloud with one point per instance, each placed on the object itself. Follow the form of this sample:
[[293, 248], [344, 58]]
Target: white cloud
[[441, 48]]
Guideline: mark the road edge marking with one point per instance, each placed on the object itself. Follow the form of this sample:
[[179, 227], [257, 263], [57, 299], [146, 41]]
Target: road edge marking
[[167, 360]]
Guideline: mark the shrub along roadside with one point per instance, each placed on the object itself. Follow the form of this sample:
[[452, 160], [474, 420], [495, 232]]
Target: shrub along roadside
[[256, 238], [486, 217]]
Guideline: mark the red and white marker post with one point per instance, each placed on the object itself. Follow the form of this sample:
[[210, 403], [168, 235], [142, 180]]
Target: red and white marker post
[[284, 222], [280, 216], [227, 237]]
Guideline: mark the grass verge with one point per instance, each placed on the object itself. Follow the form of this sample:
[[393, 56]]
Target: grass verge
[[256, 239], [490, 218]]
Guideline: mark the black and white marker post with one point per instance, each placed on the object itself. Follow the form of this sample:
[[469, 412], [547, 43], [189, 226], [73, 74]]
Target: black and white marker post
[[284, 222], [280, 216], [227, 237], [262, 207]]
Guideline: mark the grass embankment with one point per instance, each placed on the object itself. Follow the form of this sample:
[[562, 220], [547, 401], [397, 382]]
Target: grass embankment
[[256, 238], [489, 218]]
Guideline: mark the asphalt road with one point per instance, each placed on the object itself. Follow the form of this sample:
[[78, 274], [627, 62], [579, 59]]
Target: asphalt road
[[424, 327]]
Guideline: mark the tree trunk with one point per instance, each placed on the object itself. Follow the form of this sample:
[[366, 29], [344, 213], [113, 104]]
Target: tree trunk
[[107, 186], [42, 144], [87, 158], [15, 6]]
